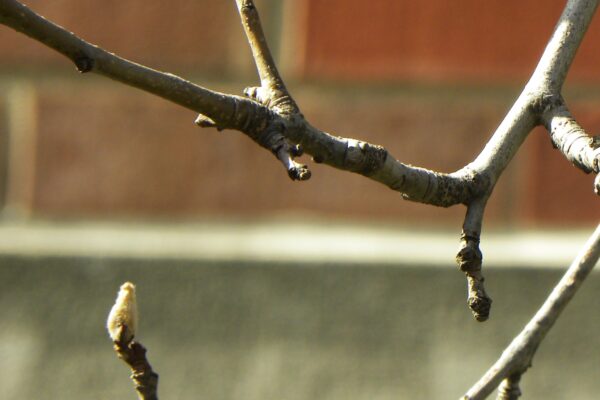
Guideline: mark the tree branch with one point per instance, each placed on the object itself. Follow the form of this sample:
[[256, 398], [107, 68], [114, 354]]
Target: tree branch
[[273, 90], [225, 111], [532, 107], [272, 93], [517, 357], [569, 137], [551, 71], [545, 82], [269, 116]]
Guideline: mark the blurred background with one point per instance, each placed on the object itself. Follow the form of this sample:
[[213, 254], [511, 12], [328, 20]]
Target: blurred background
[[251, 285]]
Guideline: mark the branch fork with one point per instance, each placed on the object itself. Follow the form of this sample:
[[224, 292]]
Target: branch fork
[[272, 96]]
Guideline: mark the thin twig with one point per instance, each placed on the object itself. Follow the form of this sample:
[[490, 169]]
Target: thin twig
[[470, 260], [552, 69], [516, 359], [582, 150], [272, 85], [145, 380], [272, 93]]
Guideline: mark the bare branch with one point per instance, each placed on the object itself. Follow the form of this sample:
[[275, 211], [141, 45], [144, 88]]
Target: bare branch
[[516, 359], [545, 82], [569, 137], [529, 110], [470, 259], [551, 71], [274, 91], [375, 162]]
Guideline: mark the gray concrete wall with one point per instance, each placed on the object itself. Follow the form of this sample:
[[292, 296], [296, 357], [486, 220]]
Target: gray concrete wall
[[224, 331]]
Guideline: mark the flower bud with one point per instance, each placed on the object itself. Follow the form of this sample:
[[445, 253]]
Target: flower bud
[[123, 314]]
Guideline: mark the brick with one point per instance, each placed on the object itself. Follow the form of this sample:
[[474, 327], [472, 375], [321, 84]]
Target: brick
[[189, 34], [491, 41]]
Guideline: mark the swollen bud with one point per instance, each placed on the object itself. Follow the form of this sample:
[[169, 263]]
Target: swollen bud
[[123, 316]]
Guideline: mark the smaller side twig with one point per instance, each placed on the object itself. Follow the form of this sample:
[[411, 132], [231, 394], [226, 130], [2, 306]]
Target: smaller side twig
[[272, 94], [122, 326], [582, 150], [272, 90], [470, 259], [509, 388]]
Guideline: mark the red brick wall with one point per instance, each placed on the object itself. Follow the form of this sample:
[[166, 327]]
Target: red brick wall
[[181, 34], [430, 81], [437, 40]]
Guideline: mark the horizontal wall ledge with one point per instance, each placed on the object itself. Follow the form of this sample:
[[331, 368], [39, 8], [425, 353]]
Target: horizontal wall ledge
[[298, 242]]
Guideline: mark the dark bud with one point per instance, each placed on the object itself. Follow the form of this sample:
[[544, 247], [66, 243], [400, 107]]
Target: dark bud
[[204, 122], [84, 64]]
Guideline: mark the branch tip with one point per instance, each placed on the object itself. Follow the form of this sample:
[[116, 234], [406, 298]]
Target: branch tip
[[480, 306], [286, 154], [123, 316], [299, 173], [122, 323]]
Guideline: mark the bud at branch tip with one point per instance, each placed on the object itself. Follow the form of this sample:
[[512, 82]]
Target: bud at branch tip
[[123, 316]]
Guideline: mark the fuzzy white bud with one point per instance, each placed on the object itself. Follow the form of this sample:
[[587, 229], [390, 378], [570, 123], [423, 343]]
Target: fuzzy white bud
[[123, 313]]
